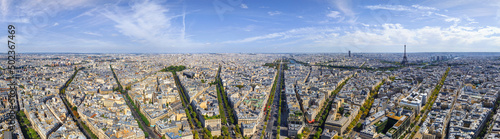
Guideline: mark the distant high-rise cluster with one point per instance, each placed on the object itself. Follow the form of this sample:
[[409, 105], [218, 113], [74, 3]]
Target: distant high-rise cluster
[[440, 58]]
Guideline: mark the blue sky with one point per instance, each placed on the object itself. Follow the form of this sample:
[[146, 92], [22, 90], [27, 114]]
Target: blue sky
[[253, 26]]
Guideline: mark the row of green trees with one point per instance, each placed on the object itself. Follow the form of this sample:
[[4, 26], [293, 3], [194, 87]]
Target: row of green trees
[[225, 129], [186, 108], [328, 103], [300, 62], [318, 133], [28, 132], [134, 106], [190, 112], [365, 108], [270, 100], [230, 110], [280, 101], [432, 99], [74, 109], [327, 107], [212, 117], [489, 124], [116, 78], [279, 117], [143, 118], [70, 79], [173, 68]]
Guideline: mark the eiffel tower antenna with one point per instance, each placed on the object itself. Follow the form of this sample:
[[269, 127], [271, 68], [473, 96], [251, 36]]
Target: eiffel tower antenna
[[405, 59]]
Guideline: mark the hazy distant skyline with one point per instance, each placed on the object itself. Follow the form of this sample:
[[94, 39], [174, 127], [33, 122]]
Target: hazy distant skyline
[[252, 26]]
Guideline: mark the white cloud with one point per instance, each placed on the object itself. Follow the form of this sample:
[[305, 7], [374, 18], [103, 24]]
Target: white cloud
[[16, 20], [249, 28], [88, 12], [293, 33], [39, 14], [50, 7], [441, 15], [470, 20], [149, 22], [498, 16], [345, 7], [382, 38], [452, 19], [333, 14], [300, 16], [4, 7], [92, 33], [424, 8], [244, 6], [55, 24], [142, 22], [389, 7], [426, 38], [423, 11], [273, 13], [413, 8]]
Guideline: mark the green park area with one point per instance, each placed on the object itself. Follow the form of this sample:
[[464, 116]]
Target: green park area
[[174, 68]]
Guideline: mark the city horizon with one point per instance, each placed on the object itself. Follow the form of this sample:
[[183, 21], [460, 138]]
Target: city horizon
[[254, 53]]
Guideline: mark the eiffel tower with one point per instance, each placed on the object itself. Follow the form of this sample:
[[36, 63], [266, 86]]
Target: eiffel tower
[[405, 59]]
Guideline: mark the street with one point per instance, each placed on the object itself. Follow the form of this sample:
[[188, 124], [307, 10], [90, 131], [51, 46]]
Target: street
[[231, 127], [146, 128], [184, 99], [272, 123]]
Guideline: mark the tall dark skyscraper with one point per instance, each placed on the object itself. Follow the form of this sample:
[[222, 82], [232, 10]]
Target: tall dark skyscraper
[[405, 60], [349, 53]]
